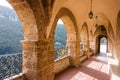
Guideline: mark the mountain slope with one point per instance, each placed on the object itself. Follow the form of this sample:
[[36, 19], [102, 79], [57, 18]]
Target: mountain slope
[[60, 36], [10, 31]]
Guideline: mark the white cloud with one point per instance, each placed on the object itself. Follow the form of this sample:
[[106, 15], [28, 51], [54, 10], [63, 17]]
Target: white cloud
[[5, 3], [60, 21]]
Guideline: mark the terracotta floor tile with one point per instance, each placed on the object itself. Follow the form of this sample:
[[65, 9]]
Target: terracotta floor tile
[[95, 68]]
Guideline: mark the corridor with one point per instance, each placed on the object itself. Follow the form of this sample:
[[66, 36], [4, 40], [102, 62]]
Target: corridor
[[95, 68]]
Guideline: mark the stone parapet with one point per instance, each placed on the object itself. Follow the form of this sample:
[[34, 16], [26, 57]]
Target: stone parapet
[[61, 64], [16, 77]]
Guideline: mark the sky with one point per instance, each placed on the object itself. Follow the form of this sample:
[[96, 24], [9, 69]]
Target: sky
[[60, 21], [5, 3]]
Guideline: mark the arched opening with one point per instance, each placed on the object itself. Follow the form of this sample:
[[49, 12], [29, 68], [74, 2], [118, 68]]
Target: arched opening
[[60, 40], [84, 38], [72, 39], [84, 43], [104, 28], [98, 35], [24, 10], [11, 34], [103, 45]]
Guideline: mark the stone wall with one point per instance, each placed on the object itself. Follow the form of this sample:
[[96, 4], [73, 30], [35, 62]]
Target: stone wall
[[61, 64]]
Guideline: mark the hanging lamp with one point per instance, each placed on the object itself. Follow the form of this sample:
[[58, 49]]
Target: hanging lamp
[[91, 13]]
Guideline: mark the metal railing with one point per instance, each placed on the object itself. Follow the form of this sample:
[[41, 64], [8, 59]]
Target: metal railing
[[60, 52], [10, 65]]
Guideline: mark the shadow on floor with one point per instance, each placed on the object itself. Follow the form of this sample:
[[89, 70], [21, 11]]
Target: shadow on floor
[[95, 68]]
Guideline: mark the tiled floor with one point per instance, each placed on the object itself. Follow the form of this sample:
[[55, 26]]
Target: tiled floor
[[95, 68]]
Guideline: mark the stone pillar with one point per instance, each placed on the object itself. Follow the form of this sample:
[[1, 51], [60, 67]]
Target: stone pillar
[[38, 60], [109, 48], [74, 52], [88, 48], [91, 44]]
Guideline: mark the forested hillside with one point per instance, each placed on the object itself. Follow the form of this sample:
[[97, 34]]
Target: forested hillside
[[60, 36], [10, 31]]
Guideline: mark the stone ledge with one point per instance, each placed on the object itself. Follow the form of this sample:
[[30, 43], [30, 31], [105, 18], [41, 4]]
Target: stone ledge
[[115, 72], [16, 77], [113, 68], [59, 59], [83, 58], [61, 64]]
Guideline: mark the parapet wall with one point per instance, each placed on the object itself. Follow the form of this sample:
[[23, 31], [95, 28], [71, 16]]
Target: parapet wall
[[61, 64]]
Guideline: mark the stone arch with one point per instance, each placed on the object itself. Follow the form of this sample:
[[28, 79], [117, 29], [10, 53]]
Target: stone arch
[[103, 41], [118, 25], [97, 35], [31, 44], [72, 33], [110, 33], [85, 27], [98, 38], [65, 13], [117, 42], [103, 20], [85, 49], [99, 32], [27, 18], [84, 34]]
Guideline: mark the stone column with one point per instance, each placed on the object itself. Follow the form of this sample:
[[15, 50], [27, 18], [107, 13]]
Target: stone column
[[109, 45], [74, 52], [88, 48], [38, 60]]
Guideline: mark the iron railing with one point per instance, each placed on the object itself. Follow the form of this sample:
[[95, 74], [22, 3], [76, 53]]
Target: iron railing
[[10, 65]]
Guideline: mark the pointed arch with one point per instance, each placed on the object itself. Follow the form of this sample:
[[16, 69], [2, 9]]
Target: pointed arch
[[69, 21], [84, 36], [104, 21], [67, 17], [27, 18], [85, 28]]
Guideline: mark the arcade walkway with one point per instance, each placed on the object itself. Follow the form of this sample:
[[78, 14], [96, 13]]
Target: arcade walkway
[[95, 68]]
